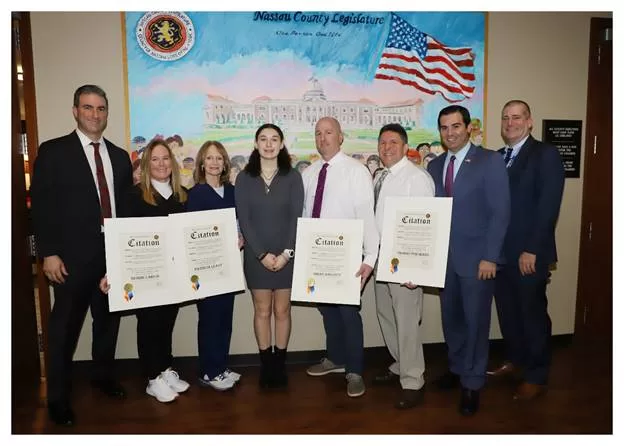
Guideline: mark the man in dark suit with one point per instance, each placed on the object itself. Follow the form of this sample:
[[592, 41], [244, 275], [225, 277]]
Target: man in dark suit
[[536, 178], [477, 181], [78, 179]]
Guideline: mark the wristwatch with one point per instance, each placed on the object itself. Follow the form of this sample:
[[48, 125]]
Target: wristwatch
[[290, 253]]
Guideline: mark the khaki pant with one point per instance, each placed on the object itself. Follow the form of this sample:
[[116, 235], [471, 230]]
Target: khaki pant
[[399, 311]]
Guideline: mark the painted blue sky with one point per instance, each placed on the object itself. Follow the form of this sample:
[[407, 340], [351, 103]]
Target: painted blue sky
[[239, 58]]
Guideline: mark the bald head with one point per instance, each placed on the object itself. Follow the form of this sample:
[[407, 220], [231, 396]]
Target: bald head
[[328, 137]]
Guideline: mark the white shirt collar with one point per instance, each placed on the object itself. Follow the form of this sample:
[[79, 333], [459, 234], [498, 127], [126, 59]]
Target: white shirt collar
[[516, 147], [163, 189], [334, 159], [399, 165], [85, 140], [459, 155]]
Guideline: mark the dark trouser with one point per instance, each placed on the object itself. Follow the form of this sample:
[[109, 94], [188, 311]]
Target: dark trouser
[[71, 301], [466, 312], [522, 308], [154, 335], [344, 335], [214, 332]]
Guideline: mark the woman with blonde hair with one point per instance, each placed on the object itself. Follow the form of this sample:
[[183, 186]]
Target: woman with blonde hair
[[157, 194], [213, 190]]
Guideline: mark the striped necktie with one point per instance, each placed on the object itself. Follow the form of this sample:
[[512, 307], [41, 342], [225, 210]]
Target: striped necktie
[[377, 188], [508, 152]]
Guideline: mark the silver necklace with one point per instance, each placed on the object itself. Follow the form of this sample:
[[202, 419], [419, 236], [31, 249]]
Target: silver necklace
[[268, 180]]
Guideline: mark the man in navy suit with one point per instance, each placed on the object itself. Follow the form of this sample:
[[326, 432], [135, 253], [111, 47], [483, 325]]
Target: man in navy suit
[[78, 181], [536, 178], [477, 180]]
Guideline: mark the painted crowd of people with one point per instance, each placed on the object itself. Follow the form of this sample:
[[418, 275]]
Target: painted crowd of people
[[504, 211]]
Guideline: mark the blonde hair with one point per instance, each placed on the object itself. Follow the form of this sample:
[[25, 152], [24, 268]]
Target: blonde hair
[[146, 180], [198, 174]]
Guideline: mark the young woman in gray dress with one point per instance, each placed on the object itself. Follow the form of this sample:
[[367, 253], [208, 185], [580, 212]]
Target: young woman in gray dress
[[269, 199]]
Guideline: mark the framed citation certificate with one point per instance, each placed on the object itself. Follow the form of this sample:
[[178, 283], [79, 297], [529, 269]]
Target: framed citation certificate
[[138, 263], [153, 261], [207, 260], [414, 240], [328, 254]]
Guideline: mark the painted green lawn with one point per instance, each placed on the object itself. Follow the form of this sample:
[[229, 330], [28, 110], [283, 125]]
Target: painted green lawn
[[240, 141]]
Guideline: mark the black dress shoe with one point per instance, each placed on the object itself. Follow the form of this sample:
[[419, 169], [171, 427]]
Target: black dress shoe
[[447, 381], [386, 378], [61, 413], [469, 402], [410, 398], [109, 388]]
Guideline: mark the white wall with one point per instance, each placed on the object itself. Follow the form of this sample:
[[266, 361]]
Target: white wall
[[538, 57]]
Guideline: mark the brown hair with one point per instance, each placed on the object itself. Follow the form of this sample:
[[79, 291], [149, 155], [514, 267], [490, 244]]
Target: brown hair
[[89, 89], [146, 184], [199, 176]]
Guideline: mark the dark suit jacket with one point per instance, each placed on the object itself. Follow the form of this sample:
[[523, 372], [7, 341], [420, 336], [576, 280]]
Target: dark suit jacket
[[65, 203], [480, 209], [133, 204], [536, 179]]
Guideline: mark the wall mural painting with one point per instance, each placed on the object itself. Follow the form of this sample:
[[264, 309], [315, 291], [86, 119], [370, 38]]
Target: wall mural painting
[[199, 76]]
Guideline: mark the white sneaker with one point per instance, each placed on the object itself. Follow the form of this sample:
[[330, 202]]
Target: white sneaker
[[231, 374], [173, 380], [219, 382], [159, 389]]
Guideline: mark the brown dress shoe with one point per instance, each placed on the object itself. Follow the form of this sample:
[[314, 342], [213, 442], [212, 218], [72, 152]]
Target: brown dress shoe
[[506, 368], [527, 391]]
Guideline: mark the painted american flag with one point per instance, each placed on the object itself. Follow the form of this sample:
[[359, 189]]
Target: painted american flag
[[414, 58]]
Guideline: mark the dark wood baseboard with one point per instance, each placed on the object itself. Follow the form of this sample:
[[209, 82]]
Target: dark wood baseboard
[[371, 355]]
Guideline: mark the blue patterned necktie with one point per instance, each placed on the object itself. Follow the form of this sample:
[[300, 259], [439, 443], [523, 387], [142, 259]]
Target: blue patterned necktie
[[508, 153]]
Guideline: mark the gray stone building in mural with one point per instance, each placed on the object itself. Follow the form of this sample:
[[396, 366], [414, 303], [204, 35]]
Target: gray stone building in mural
[[302, 114]]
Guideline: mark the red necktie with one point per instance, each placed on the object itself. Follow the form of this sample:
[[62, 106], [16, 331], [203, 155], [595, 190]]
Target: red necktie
[[448, 181], [320, 188], [105, 203]]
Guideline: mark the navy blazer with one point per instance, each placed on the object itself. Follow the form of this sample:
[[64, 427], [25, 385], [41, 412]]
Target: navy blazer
[[202, 197], [65, 203], [480, 214], [536, 179]]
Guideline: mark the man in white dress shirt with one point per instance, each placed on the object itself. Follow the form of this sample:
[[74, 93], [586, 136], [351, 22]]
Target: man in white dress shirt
[[400, 306], [345, 190]]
